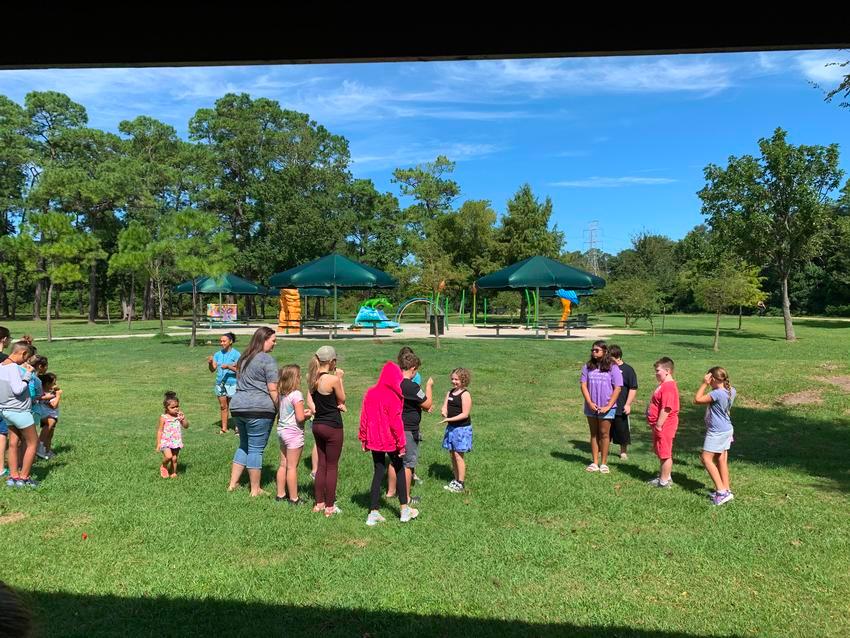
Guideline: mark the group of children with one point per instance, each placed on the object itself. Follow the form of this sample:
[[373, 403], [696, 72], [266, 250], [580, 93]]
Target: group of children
[[29, 397], [389, 425], [609, 387]]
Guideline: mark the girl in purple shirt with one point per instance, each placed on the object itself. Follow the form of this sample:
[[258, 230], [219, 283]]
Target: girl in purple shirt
[[601, 383]]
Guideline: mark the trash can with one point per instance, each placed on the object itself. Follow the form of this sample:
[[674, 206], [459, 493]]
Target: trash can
[[437, 323]]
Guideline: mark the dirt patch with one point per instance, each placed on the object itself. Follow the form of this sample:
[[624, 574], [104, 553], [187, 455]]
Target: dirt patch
[[14, 517], [806, 397], [751, 403], [359, 543], [842, 381]]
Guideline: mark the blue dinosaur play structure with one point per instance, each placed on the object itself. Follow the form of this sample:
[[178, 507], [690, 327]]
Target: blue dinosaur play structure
[[371, 314]]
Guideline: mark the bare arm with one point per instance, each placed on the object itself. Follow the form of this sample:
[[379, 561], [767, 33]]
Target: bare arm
[[274, 394], [629, 399], [310, 405], [336, 384], [613, 400], [428, 403], [211, 363], [159, 433], [586, 393], [445, 410], [701, 398]]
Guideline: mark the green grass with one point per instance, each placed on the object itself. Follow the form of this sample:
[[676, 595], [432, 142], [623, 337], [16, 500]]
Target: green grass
[[535, 547]]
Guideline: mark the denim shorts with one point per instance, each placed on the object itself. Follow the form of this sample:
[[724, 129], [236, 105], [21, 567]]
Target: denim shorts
[[225, 390], [718, 442], [607, 416], [4, 429], [20, 419]]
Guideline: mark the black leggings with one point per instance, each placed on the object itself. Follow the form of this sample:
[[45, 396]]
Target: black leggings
[[379, 459]]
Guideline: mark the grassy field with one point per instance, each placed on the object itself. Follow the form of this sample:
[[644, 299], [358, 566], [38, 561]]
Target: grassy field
[[536, 546]]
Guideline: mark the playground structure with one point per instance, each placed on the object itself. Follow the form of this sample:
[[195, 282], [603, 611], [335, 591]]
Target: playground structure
[[371, 314], [568, 299], [290, 310]]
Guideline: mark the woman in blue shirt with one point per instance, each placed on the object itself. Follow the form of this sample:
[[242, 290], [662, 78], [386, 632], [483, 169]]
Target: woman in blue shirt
[[223, 363]]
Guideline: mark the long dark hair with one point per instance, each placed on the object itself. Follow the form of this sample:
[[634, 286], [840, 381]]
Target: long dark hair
[[254, 347], [605, 362]]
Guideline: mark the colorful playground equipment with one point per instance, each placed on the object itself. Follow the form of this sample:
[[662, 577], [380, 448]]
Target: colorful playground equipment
[[568, 299], [290, 310], [371, 314]]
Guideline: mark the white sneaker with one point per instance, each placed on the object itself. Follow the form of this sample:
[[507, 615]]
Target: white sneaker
[[374, 518], [409, 514]]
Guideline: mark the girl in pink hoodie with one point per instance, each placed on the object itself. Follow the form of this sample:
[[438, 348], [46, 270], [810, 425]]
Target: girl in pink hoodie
[[382, 433]]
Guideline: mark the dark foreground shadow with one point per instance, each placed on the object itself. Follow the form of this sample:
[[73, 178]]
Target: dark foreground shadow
[[60, 614]]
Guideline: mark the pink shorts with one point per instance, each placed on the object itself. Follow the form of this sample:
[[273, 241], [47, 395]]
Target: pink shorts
[[291, 438], [662, 442]]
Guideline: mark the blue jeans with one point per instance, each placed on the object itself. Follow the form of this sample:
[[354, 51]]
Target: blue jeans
[[253, 436]]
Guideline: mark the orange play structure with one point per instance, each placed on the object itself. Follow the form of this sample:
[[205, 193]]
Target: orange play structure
[[290, 309], [566, 314]]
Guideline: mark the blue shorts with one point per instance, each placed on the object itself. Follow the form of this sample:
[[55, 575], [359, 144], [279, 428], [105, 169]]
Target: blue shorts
[[607, 416], [4, 429], [225, 390], [20, 419], [458, 438]]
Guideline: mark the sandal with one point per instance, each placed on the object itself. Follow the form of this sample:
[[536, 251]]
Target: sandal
[[603, 469], [593, 467]]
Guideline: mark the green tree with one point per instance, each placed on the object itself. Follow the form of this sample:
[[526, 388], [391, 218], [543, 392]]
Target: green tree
[[525, 231], [432, 192], [730, 284], [634, 297], [771, 208], [198, 247], [66, 252]]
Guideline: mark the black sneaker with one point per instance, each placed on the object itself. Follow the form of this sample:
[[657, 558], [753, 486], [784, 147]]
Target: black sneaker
[[296, 502], [280, 498]]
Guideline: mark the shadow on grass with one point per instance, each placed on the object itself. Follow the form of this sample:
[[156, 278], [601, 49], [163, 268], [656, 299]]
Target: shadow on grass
[[440, 472], [820, 323], [724, 334], [74, 615]]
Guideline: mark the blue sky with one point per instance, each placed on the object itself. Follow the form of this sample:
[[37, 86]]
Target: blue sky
[[621, 140]]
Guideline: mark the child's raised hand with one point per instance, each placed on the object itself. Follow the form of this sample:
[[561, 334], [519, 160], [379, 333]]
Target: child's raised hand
[[707, 378], [429, 382], [209, 359], [340, 373]]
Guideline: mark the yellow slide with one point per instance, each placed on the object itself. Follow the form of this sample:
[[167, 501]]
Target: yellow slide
[[290, 309], [566, 314]]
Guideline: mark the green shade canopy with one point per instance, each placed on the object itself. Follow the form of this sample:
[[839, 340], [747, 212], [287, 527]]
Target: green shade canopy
[[333, 271], [305, 292], [540, 272], [227, 284]]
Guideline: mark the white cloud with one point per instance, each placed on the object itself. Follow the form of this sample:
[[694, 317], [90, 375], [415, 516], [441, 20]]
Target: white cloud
[[817, 66], [614, 182], [643, 74], [412, 154]]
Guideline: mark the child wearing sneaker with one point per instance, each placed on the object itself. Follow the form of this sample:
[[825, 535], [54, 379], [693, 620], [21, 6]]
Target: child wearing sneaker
[[48, 412], [169, 435], [290, 432], [718, 430], [458, 437], [382, 433], [662, 415], [16, 411]]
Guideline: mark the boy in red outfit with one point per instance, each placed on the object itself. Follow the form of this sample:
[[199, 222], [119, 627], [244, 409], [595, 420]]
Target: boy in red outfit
[[662, 415]]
